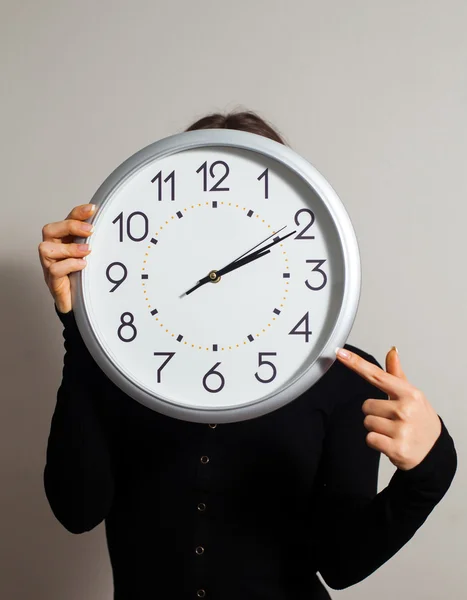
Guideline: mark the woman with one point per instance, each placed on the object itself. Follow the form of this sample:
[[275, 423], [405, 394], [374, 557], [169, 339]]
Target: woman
[[241, 510]]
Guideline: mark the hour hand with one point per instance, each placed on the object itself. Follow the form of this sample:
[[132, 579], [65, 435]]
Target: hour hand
[[214, 276]]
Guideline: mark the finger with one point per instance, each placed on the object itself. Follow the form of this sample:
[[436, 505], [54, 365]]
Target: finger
[[380, 442], [380, 408], [381, 425], [386, 382], [82, 212], [393, 363], [53, 232], [52, 251], [62, 268]]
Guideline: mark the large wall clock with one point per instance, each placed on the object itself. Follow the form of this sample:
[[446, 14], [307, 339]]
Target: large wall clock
[[224, 271]]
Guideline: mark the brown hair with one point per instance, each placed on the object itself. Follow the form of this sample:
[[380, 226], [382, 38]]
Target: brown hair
[[243, 120]]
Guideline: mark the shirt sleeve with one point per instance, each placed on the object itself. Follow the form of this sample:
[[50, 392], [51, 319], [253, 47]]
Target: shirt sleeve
[[79, 474], [359, 529]]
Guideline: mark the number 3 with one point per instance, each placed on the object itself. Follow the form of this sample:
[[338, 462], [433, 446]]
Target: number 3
[[319, 263]]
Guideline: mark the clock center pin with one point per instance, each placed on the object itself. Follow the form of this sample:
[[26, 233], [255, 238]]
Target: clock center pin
[[214, 277]]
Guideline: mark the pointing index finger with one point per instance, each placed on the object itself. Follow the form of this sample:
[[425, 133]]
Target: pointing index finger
[[390, 384]]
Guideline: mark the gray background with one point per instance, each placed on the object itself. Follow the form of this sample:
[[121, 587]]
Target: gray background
[[373, 93]]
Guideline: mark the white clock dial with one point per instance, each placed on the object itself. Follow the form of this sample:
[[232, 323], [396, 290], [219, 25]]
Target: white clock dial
[[226, 347]]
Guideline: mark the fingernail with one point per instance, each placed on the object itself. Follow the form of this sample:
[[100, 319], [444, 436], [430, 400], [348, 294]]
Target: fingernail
[[394, 348], [83, 247], [87, 226], [91, 207], [342, 353]]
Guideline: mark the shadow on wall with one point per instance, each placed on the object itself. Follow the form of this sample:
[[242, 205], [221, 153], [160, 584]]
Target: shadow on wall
[[40, 559]]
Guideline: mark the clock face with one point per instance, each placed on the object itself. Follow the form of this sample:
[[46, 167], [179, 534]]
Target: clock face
[[238, 345]]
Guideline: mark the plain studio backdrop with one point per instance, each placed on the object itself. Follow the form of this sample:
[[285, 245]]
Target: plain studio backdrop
[[373, 93]]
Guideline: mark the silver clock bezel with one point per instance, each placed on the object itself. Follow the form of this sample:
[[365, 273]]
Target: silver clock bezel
[[350, 252]]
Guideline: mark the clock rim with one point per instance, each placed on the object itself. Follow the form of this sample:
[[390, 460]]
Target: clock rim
[[187, 140]]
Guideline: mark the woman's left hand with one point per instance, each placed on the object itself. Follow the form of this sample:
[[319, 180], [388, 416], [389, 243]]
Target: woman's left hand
[[404, 427]]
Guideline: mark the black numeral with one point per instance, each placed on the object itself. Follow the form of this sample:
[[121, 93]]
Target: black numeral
[[120, 220], [266, 362], [311, 215], [169, 355], [170, 178], [215, 187], [126, 324], [116, 281], [306, 332], [213, 372], [319, 263], [265, 175]]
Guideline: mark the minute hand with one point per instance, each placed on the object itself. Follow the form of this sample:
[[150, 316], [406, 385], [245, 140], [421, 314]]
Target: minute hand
[[261, 250], [239, 262], [243, 260]]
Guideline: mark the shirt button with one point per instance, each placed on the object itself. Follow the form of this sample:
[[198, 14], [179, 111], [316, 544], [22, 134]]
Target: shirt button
[[201, 507], [199, 550], [201, 593], [204, 459], [213, 426]]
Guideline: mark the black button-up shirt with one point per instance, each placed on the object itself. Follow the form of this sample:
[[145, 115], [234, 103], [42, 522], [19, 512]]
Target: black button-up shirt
[[250, 510]]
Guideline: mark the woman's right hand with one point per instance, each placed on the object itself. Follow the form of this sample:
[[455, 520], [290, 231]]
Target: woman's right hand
[[59, 256]]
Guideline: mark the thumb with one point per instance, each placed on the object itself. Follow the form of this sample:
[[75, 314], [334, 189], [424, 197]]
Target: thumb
[[393, 363]]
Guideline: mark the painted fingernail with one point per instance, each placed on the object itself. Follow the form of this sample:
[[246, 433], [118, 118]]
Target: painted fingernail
[[342, 353]]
